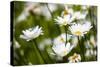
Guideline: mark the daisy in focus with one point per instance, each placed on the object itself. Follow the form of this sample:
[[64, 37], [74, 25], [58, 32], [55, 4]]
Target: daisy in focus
[[31, 33], [80, 29], [66, 17], [74, 58], [62, 49], [63, 21]]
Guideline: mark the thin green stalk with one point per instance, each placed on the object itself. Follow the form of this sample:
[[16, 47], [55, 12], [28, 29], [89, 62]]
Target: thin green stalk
[[66, 34], [53, 17], [81, 49], [38, 52], [49, 56], [50, 11]]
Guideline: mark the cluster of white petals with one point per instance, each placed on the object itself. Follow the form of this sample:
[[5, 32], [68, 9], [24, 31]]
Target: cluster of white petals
[[59, 47], [80, 29], [31, 33], [62, 49], [69, 15], [63, 21]]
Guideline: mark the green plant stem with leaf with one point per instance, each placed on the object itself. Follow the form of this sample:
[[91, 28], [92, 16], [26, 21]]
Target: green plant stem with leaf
[[38, 52], [81, 48], [53, 18]]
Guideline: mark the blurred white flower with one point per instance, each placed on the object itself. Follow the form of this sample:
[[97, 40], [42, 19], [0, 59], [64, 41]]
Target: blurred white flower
[[80, 29], [63, 21], [90, 44], [90, 52], [42, 9], [79, 15], [87, 44], [61, 39], [45, 11], [37, 9], [17, 45], [23, 16], [84, 7], [31, 33], [67, 10], [74, 14], [74, 58], [87, 26], [69, 15], [62, 49], [93, 41], [52, 7], [34, 7]]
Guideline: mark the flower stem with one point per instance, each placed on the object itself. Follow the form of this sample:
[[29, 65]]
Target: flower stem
[[38, 52], [49, 56], [52, 18], [50, 11], [81, 49], [66, 34]]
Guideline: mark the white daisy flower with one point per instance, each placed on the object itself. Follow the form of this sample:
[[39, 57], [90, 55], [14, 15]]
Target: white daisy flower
[[31, 33], [63, 21], [66, 17], [74, 58], [80, 29], [62, 49], [90, 52]]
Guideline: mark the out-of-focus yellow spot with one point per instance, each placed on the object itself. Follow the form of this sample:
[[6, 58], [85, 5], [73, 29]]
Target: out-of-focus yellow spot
[[78, 33], [62, 40], [65, 12]]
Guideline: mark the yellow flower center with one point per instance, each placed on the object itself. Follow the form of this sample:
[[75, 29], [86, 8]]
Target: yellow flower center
[[65, 52], [62, 40], [64, 23], [74, 57], [78, 33], [65, 12]]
